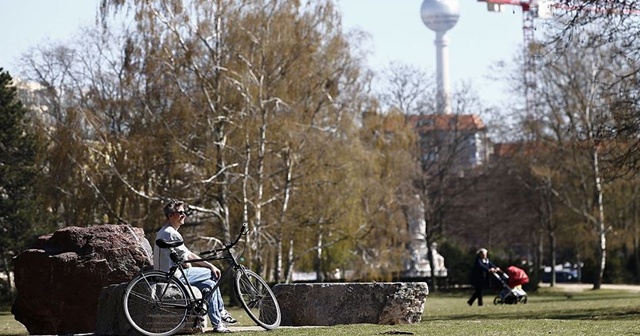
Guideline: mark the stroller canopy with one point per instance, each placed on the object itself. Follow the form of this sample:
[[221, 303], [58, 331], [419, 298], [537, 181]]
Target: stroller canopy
[[517, 276]]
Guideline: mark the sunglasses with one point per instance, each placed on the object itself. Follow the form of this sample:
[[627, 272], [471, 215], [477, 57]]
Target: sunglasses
[[181, 213]]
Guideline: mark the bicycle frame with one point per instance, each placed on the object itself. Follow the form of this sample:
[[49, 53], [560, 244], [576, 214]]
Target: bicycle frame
[[217, 254]]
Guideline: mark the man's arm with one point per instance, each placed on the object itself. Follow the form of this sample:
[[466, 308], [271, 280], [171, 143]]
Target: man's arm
[[192, 256]]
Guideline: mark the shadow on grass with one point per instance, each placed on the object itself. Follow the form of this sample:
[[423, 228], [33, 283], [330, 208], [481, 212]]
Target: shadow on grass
[[582, 314], [579, 298]]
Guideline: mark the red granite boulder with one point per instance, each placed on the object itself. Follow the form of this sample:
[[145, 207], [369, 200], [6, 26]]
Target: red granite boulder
[[59, 279]]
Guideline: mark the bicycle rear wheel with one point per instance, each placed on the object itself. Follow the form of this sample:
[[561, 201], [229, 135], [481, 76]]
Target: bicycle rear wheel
[[156, 304], [257, 299]]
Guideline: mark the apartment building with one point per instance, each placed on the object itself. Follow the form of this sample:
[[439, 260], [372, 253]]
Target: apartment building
[[458, 139]]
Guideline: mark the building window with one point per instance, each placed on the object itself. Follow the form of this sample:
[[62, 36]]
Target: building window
[[425, 122]]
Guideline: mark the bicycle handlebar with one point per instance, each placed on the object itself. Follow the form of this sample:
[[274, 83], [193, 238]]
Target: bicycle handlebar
[[244, 231]]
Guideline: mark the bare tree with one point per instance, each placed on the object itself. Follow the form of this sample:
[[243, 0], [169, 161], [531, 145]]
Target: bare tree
[[268, 96], [408, 89], [578, 91]]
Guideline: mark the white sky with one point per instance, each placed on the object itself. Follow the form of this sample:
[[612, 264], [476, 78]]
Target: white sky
[[479, 39]]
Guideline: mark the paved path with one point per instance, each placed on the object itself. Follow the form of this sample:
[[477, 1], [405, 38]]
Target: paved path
[[237, 329], [578, 287], [257, 328]]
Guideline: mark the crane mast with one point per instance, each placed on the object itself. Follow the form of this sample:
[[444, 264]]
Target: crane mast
[[532, 9], [529, 60], [529, 13]]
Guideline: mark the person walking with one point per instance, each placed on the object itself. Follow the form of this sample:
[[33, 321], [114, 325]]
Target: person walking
[[482, 266]]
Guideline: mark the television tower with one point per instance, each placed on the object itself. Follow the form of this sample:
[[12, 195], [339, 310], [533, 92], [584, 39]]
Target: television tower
[[440, 16]]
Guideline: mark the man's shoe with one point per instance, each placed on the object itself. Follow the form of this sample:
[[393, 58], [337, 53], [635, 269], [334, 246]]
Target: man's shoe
[[226, 317], [221, 329]]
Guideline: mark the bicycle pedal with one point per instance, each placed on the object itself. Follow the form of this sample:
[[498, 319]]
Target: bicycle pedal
[[199, 324]]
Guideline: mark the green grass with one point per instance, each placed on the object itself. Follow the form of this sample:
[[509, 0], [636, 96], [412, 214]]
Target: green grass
[[549, 312]]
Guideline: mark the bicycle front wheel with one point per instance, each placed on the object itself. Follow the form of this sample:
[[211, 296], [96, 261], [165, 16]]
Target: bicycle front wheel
[[257, 299], [156, 304]]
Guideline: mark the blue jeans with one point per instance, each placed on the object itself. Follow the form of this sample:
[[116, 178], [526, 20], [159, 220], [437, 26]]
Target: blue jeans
[[201, 278]]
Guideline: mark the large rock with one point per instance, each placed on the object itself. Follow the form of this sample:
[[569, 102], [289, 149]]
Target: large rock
[[326, 304], [59, 279], [112, 321]]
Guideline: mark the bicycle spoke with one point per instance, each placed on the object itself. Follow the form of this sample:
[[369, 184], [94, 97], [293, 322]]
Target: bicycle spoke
[[155, 304], [257, 299]]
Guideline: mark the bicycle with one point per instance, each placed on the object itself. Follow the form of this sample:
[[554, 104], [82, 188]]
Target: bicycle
[[157, 303]]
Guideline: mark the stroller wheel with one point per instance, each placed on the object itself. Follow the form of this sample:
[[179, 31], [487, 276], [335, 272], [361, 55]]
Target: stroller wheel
[[523, 299], [497, 300]]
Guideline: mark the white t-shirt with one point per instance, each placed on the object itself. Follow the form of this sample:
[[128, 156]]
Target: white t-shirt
[[161, 259]]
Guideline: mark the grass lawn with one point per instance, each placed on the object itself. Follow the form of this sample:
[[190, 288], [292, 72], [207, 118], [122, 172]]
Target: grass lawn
[[549, 312]]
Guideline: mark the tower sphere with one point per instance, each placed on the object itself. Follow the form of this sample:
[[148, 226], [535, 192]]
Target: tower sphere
[[440, 15]]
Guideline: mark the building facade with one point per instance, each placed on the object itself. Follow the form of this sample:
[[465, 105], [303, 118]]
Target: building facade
[[458, 140]]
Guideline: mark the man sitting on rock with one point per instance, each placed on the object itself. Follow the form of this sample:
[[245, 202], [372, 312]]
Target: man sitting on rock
[[203, 276]]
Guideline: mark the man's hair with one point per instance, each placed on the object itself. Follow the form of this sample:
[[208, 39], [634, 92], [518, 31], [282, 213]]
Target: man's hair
[[171, 207]]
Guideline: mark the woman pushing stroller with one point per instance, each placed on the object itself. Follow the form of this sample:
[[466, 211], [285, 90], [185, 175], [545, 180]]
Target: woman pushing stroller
[[479, 274]]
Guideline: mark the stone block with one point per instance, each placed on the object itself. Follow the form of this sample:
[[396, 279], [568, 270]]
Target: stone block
[[327, 304], [112, 320]]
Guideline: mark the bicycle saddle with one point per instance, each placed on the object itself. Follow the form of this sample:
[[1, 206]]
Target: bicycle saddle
[[167, 244]]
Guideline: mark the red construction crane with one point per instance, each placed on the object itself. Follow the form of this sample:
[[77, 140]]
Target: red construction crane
[[530, 9], [544, 9]]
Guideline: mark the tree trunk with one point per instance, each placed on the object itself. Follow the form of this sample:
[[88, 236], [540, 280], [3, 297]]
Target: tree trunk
[[538, 260], [636, 253], [602, 230], [260, 194], [318, 259], [288, 276], [551, 226], [283, 211], [245, 201], [552, 255], [602, 256]]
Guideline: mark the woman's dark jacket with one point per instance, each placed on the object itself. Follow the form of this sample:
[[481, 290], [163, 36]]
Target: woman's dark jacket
[[479, 271]]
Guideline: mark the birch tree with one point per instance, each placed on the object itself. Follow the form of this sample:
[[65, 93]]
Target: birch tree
[[579, 91]]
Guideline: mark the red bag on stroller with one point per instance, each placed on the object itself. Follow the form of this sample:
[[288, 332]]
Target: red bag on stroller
[[517, 276]]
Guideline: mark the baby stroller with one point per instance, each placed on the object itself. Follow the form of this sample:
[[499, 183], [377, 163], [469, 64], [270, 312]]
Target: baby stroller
[[512, 281]]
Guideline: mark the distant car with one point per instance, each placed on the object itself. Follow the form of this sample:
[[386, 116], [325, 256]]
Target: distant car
[[561, 276]]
